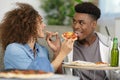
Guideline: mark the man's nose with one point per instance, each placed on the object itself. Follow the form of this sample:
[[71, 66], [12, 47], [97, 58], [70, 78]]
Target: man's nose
[[77, 25]]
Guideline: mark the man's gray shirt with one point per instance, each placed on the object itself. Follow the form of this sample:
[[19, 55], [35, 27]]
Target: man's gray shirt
[[91, 54]]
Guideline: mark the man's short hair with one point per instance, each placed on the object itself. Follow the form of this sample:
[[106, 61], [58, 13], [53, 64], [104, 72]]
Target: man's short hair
[[89, 8]]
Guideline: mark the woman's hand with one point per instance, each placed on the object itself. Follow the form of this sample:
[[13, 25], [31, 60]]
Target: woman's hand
[[54, 44], [67, 46]]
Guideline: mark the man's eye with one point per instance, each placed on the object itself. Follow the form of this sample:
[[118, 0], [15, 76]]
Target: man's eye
[[81, 22]]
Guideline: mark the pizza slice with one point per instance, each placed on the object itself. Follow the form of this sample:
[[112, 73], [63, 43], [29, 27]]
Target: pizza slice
[[69, 35], [101, 64]]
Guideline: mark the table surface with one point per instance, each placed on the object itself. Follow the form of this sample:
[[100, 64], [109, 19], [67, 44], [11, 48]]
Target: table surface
[[92, 67]]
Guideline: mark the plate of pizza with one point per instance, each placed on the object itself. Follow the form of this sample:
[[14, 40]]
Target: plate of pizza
[[25, 74], [87, 64], [69, 35]]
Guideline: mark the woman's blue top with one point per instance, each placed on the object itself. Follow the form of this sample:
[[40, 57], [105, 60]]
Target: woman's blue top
[[19, 56]]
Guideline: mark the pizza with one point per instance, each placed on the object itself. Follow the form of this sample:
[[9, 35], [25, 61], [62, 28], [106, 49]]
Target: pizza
[[88, 64], [101, 64], [82, 63], [69, 35], [25, 74]]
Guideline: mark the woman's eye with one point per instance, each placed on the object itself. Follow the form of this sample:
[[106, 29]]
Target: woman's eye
[[41, 22]]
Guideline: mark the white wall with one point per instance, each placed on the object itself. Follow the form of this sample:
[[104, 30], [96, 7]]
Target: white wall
[[117, 28], [110, 11], [6, 5], [113, 24], [110, 23]]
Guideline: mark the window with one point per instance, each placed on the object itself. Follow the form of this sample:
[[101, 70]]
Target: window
[[109, 6]]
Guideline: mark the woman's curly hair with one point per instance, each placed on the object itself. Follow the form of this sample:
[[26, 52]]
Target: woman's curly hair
[[18, 25]]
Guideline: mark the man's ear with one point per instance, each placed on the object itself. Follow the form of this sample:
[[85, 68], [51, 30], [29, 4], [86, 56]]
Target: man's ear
[[94, 24]]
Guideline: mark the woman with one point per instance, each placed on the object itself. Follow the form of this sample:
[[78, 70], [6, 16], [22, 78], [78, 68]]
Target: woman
[[20, 29]]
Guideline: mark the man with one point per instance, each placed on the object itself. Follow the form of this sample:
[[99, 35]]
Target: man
[[90, 46]]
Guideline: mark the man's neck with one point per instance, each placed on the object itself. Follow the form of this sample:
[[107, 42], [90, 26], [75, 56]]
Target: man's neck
[[88, 41]]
